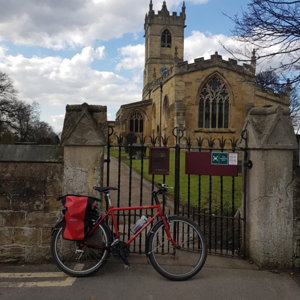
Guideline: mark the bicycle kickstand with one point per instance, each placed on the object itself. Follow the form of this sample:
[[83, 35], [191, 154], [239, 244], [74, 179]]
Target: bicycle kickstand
[[123, 257], [121, 250]]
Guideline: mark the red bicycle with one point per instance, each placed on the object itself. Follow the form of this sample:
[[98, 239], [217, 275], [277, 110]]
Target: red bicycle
[[175, 245]]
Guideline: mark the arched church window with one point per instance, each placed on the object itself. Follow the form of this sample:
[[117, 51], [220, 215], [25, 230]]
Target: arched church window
[[153, 111], [136, 123], [166, 107], [207, 113], [166, 39], [214, 104]]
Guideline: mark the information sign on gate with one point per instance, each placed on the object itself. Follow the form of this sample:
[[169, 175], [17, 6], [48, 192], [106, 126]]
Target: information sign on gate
[[219, 158], [159, 161], [211, 163]]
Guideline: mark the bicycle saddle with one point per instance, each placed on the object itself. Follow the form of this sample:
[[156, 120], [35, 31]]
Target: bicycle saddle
[[105, 189]]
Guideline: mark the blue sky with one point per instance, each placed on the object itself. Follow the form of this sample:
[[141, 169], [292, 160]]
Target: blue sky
[[60, 52]]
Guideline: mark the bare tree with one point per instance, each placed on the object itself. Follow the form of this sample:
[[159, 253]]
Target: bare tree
[[272, 27], [25, 116], [269, 79], [7, 90], [20, 121], [42, 133], [295, 105], [8, 96]]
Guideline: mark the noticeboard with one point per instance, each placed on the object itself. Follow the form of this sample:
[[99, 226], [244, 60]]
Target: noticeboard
[[211, 163], [159, 161]]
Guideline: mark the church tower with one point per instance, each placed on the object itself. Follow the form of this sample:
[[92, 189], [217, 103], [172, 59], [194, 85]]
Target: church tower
[[164, 41]]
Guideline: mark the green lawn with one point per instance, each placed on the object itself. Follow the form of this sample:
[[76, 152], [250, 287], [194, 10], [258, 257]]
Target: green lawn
[[193, 196]]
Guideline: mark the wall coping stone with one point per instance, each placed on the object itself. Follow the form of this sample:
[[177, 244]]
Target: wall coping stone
[[31, 153], [84, 125], [269, 128]]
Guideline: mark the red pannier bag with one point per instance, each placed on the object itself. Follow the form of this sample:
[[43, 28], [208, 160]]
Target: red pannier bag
[[79, 216]]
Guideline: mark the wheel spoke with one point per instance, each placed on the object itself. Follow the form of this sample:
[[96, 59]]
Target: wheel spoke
[[180, 262], [81, 258]]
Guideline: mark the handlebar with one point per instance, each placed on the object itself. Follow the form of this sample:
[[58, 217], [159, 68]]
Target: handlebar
[[162, 189]]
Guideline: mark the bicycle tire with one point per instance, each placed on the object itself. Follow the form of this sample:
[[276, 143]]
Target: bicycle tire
[[184, 261], [77, 260]]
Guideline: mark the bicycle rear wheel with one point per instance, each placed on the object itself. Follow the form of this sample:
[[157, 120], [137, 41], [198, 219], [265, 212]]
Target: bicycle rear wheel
[[182, 261], [81, 258]]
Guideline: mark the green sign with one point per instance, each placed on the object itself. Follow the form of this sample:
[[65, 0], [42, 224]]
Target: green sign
[[219, 158]]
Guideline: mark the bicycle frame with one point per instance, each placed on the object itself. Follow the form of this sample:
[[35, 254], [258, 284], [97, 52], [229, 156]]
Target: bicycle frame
[[111, 213]]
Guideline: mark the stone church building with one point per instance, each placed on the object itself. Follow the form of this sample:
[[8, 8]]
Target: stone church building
[[207, 98]]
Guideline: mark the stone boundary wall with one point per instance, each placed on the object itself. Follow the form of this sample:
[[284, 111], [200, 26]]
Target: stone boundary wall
[[30, 182], [297, 209]]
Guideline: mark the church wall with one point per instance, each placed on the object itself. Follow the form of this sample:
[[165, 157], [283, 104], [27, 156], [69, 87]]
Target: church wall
[[241, 91], [123, 118], [168, 117], [185, 90]]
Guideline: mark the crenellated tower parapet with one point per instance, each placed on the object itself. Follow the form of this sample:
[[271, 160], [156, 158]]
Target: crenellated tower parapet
[[247, 71]]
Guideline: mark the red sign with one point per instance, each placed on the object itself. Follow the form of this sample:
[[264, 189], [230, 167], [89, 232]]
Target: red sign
[[159, 161], [200, 163]]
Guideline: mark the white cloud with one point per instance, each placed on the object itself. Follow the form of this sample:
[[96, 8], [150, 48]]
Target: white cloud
[[59, 24], [57, 122], [132, 57], [202, 45], [174, 3], [55, 82]]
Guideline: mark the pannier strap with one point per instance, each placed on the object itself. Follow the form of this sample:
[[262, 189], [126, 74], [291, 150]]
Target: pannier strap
[[64, 196], [105, 189]]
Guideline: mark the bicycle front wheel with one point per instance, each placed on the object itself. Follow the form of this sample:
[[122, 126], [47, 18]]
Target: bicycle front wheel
[[180, 261], [81, 258]]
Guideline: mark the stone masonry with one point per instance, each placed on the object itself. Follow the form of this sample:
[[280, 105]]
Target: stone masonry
[[30, 182], [270, 188], [83, 139], [296, 203]]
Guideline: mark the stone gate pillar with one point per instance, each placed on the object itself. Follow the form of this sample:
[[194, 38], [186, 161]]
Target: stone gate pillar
[[269, 196], [83, 139]]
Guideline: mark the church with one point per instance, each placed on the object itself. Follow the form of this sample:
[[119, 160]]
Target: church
[[208, 98]]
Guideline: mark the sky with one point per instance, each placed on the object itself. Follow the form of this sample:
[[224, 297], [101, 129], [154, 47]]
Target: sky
[[60, 52]]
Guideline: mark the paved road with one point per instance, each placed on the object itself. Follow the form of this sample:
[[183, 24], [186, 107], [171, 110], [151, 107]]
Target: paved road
[[221, 278]]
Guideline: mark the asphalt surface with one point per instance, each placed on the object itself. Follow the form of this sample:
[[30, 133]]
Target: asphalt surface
[[221, 278]]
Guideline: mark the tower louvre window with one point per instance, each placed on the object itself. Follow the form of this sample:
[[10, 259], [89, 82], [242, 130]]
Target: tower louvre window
[[214, 104], [166, 39]]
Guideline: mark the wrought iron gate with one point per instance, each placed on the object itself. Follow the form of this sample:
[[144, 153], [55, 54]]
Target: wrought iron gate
[[213, 202]]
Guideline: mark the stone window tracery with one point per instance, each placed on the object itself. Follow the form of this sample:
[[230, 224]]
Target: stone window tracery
[[166, 39], [136, 123], [214, 104]]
